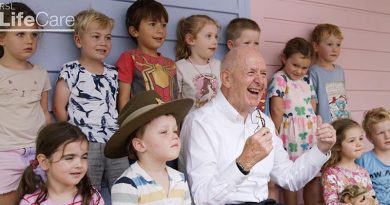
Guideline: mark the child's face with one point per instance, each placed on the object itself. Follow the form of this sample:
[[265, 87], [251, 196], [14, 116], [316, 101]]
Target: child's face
[[352, 145], [296, 66], [248, 37], [205, 43], [328, 49], [381, 136], [94, 42], [19, 45], [160, 139], [68, 165], [150, 35]]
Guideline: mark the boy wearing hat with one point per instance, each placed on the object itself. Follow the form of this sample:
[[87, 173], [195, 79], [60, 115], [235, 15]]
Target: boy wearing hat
[[149, 134]]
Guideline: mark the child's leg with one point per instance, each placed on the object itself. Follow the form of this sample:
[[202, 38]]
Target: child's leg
[[290, 197], [312, 192], [12, 165], [273, 191], [96, 164]]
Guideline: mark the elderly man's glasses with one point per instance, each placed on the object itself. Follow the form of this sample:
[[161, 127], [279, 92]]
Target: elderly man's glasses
[[256, 118]]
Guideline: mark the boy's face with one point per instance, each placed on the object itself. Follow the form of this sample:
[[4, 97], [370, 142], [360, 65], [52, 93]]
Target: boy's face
[[160, 141], [328, 49], [248, 37], [380, 135], [150, 35], [94, 42]]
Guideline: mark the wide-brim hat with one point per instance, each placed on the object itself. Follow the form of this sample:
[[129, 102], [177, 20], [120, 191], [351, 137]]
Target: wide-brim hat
[[139, 110]]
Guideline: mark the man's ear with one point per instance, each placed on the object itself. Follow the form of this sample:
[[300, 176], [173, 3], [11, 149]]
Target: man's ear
[[77, 40], [133, 31], [138, 145], [230, 44], [226, 78], [189, 39], [43, 161]]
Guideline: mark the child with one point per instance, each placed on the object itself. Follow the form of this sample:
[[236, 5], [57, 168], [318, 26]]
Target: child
[[246, 32], [197, 71], [23, 96], [144, 68], [341, 169], [86, 94], [149, 134], [292, 105], [62, 151], [328, 78], [376, 124]]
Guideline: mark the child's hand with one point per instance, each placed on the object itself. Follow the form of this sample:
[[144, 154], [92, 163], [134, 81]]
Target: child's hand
[[363, 199], [326, 135]]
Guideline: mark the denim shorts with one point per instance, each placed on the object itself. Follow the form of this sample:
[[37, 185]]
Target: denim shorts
[[102, 169]]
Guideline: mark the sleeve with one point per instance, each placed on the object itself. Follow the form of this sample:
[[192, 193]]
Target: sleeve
[[294, 175], [209, 183], [67, 75], [331, 187], [314, 80], [46, 85], [25, 201], [277, 86], [312, 90], [125, 65], [179, 77], [97, 198], [369, 185], [124, 192]]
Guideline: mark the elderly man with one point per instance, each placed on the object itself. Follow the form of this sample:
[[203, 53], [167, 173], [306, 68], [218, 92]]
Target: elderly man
[[230, 149]]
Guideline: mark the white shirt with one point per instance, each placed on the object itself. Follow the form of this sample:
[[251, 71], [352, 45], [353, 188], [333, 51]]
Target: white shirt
[[214, 136]]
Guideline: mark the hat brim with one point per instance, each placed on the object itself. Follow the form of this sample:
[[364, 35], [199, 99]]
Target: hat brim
[[117, 146]]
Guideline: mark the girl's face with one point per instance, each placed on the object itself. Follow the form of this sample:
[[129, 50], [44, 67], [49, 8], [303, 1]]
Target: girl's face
[[296, 66], [352, 145], [204, 45], [160, 141], [68, 165], [328, 49], [19, 45]]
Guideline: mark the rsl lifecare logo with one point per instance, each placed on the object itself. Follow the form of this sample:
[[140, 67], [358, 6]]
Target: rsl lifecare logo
[[47, 22]]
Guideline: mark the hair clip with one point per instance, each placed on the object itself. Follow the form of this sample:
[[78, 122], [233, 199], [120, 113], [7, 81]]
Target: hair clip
[[34, 163]]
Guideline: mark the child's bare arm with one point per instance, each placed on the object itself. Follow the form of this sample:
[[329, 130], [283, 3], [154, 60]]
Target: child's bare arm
[[61, 98], [314, 104], [123, 94], [44, 105], [276, 111]]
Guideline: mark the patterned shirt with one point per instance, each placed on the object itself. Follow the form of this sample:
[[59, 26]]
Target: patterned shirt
[[135, 186], [145, 72], [92, 100], [335, 179], [30, 199]]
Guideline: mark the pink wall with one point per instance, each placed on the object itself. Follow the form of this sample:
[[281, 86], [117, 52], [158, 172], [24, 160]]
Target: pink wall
[[365, 53]]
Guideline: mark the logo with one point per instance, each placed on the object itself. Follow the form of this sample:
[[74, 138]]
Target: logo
[[48, 22]]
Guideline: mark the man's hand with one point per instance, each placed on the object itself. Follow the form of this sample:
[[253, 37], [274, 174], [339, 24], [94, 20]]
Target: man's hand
[[256, 148], [326, 136]]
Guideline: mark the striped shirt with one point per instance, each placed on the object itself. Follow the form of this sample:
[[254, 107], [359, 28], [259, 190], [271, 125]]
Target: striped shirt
[[135, 186]]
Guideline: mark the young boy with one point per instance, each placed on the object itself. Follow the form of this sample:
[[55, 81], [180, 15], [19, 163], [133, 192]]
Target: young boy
[[376, 124], [86, 94], [149, 135], [328, 78], [245, 32], [144, 68]]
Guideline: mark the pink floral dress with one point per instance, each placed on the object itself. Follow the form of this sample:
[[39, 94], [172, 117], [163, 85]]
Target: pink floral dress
[[335, 179], [299, 120]]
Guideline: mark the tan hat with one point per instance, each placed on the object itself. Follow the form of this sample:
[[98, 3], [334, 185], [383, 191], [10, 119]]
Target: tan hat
[[140, 110]]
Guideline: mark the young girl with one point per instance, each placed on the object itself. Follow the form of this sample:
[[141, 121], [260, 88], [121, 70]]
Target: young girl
[[197, 71], [341, 169], [23, 96], [62, 151], [291, 102]]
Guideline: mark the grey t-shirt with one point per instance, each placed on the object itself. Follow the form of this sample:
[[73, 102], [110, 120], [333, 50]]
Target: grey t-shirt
[[331, 92]]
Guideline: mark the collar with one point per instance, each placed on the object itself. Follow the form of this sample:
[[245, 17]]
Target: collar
[[173, 175], [227, 109]]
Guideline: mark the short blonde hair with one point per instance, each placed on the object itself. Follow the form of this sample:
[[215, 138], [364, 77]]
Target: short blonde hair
[[85, 17], [325, 30], [373, 117]]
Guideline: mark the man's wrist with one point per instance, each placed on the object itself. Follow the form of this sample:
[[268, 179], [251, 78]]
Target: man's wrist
[[242, 168]]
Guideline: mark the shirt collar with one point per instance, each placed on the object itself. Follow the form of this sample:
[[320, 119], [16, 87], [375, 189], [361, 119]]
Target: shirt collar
[[172, 174], [227, 109]]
